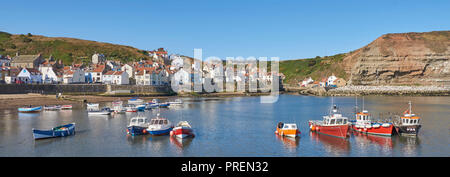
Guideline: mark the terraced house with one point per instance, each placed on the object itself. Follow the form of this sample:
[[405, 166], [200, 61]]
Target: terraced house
[[27, 61]]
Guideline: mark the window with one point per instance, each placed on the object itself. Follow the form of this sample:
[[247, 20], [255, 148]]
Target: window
[[338, 121], [165, 121], [345, 121], [332, 121], [134, 120], [140, 120]]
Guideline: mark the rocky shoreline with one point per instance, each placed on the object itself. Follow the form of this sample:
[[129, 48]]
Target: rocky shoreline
[[378, 90]]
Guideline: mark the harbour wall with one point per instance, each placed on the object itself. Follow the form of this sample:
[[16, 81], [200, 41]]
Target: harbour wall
[[77, 88]]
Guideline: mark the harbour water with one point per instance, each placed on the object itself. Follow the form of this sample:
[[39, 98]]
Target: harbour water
[[230, 127]]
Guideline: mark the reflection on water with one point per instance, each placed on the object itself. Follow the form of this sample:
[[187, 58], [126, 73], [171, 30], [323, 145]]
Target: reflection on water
[[290, 143], [334, 146], [239, 126]]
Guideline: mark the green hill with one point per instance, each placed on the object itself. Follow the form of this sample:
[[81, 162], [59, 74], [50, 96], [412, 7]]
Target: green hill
[[317, 68], [66, 49]]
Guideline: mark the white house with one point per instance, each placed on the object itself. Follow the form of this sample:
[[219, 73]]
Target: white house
[[306, 82], [74, 76], [116, 77], [48, 75], [128, 69], [30, 75], [97, 58], [331, 79], [181, 77]]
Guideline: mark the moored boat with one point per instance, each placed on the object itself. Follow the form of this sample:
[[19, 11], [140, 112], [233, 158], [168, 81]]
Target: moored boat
[[409, 123], [103, 111], [176, 102], [333, 125], [135, 101], [92, 105], [66, 107], [159, 126], [141, 107], [52, 107], [182, 130], [130, 108], [60, 131], [287, 129], [138, 126], [30, 109], [364, 124]]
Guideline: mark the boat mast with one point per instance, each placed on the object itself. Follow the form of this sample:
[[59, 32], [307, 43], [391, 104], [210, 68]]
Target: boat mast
[[410, 110]]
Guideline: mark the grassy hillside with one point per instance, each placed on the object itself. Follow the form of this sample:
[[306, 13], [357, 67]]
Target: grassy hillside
[[317, 68], [66, 49]]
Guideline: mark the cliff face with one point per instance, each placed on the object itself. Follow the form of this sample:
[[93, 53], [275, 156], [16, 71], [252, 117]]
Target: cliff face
[[401, 59]]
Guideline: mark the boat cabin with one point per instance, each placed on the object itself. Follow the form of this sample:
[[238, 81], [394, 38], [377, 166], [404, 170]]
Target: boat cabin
[[138, 121], [410, 119], [335, 118], [282, 125], [363, 117]]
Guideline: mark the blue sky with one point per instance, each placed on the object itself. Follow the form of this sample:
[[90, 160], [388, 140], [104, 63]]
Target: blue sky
[[285, 29]]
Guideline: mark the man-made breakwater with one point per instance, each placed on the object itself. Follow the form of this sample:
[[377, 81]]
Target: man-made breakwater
[[378, 90]]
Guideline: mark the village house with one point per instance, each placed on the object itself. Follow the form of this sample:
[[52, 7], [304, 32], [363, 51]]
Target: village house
[[128, 69], [11, 78], [48, 75], [29, 75], [27, 61], [116, 77], [98, 58], [306, 82], [74, 76], [96, 74], [330, 80]]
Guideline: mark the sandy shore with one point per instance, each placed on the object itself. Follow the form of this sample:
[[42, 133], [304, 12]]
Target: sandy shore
[[10, 101]]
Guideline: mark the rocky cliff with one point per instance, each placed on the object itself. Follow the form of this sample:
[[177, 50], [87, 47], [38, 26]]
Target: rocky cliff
[[401, 59]]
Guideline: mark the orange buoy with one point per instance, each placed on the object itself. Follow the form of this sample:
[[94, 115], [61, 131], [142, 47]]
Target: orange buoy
[[313, 128], [171, 133], [144, 131]]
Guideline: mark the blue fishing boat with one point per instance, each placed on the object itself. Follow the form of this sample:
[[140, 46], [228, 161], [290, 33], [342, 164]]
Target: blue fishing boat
[[138, 126], [30, 109], [164, 105], [141, 107], [135, 101], [159, 126], [60, 131]]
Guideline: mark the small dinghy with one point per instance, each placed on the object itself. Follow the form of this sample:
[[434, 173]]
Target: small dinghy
[[60, 131], [66, 106], [287, 129], [52, 108], [30, 109]]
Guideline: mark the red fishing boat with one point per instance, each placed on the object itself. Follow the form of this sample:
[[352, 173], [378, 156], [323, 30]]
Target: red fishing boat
[[364, 124], [182, 130], [333, 125]]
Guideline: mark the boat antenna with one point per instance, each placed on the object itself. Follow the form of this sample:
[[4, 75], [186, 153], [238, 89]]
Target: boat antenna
[[410, 110], [363, 103]]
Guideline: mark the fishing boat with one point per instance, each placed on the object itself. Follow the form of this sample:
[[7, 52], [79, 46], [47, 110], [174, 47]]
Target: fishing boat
[[141, 107], [130, 108], [92, 105], [287, 129], [52, 108], [30, 109], [364, 124], [164, 105], [176, 102], [66, 107], [182, 130], [138, 126], [103, 111], [409, 123], [159, 126], [135, 101], [333, 125], [117, 107], [60, 131]]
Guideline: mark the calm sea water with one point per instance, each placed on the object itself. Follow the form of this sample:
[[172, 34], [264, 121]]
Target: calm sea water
[[240, 126]]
